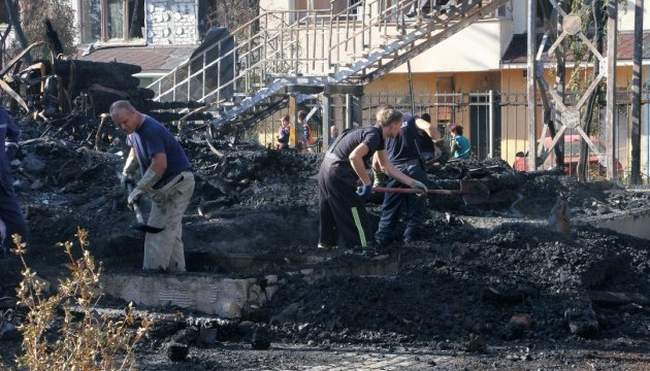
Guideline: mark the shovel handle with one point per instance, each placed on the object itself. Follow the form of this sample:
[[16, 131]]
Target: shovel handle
[[138, 213], [413, 190], [136, 206]]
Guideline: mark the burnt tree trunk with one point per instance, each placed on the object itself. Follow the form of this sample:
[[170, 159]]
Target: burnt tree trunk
[[14, 19]]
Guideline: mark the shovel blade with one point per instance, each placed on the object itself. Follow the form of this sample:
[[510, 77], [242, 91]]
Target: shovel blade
[[474, 192], [147, 228]]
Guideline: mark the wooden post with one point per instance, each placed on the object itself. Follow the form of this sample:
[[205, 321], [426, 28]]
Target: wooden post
[[532, 98], [293, 117], [411, 92], [637, 91], [610, 119], [325, 104], [104, 21]]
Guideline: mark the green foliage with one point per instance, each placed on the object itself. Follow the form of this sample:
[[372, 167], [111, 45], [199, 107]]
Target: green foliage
[[82, 340]]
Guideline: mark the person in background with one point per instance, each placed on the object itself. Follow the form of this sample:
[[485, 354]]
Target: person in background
[[334, 133], [426, 117], [520, 162], [306, 139], [283, 133], [460, 147]]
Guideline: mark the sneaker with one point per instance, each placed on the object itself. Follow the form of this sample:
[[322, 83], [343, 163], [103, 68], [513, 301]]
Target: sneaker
[[322, 246]]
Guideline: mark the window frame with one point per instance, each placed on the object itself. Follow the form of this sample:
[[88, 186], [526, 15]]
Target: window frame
[[104, 36]]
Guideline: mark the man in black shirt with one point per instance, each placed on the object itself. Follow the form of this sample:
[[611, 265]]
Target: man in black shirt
[[405, 151], [342, 212]]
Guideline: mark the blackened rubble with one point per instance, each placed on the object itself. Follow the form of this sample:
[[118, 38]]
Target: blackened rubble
[[461, 282]]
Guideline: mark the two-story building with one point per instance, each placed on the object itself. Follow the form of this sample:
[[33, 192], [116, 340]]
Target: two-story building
[[477, 78], [155, 34]]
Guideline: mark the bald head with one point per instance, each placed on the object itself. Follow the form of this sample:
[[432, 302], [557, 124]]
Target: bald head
[[125, 116]]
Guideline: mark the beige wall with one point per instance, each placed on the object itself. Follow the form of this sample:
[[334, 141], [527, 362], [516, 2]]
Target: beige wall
[[425, 83], [478, 47]]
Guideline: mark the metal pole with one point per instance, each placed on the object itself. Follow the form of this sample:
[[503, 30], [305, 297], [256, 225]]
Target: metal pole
[[612, 13], [635, 176], [532, 99], [491, 126], [349, 115], [325, 104]]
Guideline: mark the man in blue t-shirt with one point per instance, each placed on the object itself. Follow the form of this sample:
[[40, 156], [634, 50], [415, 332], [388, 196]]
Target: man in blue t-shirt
[[166, 177], [405, 153]]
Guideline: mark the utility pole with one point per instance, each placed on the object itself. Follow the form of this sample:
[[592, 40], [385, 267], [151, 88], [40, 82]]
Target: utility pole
[[637, 91], [610, 119], [532, 98]]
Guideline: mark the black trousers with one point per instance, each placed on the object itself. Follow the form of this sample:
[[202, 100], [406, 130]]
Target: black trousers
[[10, 212], [342, 212], [411, 205]]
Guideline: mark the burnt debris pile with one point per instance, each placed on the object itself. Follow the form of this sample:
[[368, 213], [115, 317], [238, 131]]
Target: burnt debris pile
[[514, 282]]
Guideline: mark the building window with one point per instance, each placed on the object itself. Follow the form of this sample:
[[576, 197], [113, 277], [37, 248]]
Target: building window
[[106, 20]]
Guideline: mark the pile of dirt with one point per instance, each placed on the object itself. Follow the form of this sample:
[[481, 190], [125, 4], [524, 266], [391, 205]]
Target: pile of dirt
[[473, 285], [252, 176], [585, 199]]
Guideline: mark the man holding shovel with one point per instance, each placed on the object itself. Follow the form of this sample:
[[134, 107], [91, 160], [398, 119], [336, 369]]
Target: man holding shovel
[[342, 212], [405, 154], [166, 177]]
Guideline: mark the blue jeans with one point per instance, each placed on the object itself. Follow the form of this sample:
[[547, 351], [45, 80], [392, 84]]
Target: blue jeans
[[412, 206]]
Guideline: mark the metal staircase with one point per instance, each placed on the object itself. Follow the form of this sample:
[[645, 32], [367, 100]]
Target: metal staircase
[[352, 42]]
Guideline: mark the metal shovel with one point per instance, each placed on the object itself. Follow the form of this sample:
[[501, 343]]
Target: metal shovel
[[141, 225], [473, 192]]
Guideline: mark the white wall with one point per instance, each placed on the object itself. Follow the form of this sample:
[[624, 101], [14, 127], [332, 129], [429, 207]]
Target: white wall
[[172, 22], [519, 12], [626, 16], [478, 47], [276, 4], [74, 4]]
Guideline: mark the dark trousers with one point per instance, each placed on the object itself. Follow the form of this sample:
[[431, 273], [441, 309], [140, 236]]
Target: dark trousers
[[394, 204], [342, 212], [11, 214]]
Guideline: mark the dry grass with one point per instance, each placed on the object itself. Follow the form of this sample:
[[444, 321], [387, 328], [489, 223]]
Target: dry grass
[[55, 338]]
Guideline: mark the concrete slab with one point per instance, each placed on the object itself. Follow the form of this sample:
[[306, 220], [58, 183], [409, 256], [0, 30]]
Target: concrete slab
[[633, 222], [227, 297], [221, 296]]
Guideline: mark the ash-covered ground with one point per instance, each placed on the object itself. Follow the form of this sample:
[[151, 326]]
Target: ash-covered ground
[[518, 290]]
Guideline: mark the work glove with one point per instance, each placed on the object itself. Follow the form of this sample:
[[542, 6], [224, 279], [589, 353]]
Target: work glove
[[134, 196], [420, 186], [364, 191], [145, 185], [380, 179]]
